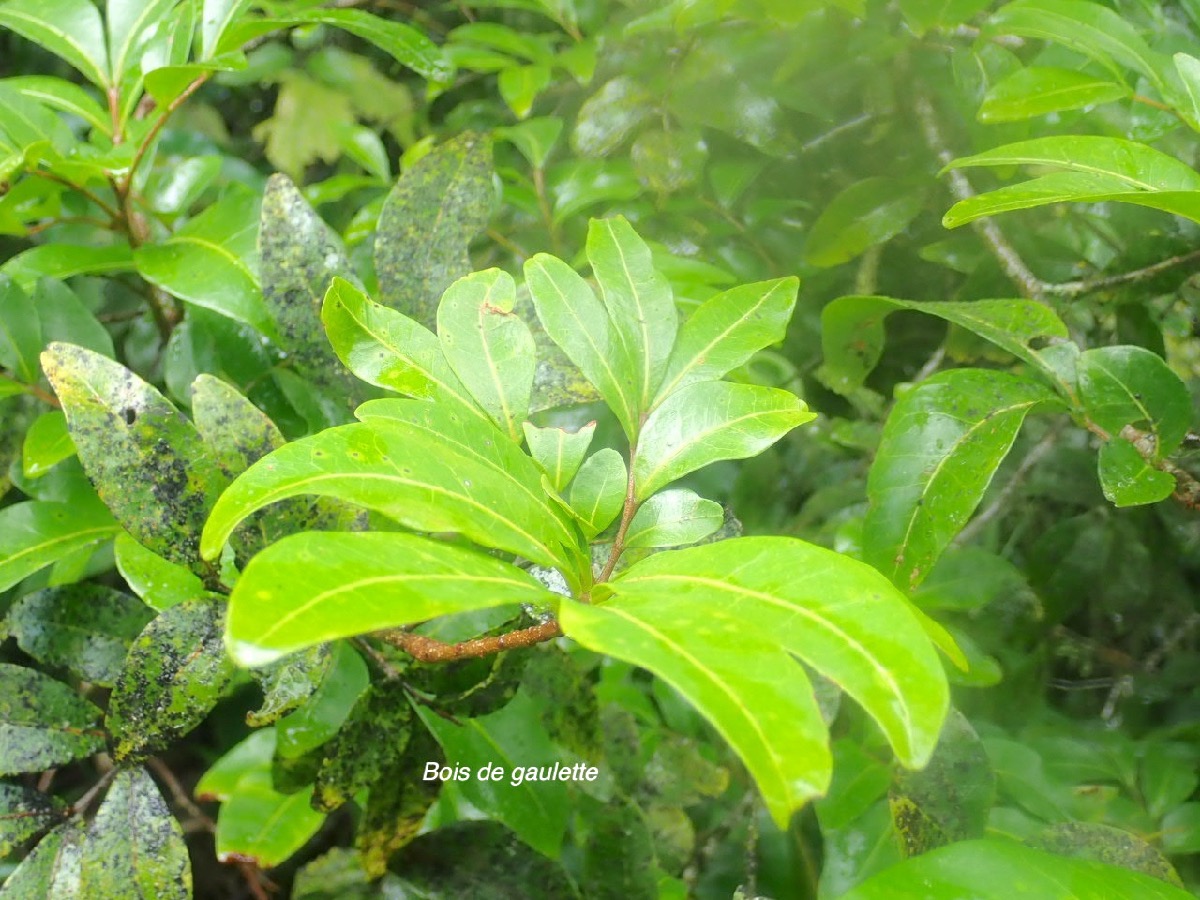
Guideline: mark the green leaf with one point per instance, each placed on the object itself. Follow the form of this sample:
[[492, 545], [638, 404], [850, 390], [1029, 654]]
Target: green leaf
[[852, 333], [58, 93], [429, 218], [535, 138], [1105, 844], [579, 324], [47, 443], [319, 719], [127, 24], [70, 29], [357, 760], [176, 672], [83, 628], [289, 682], [598, 490], [64, 317], [238, 431], [1181, 829], [638, 298], [149, 465], [837, 615], [43, 723], [669, 160], [509, 739], [387, 348], [559, 452], [1128, 479], [428, 467], [922, 15], [1092, 169], [520, 86], [30, 127], [989, 869], [52, 869], [1089, 28], [177, 189], [1188, 69], [673, 518], [215, 20], [292, 143], [65, 261], [488, 346], [25, 812], [609, 116], [256, 822], [212, 261], [727, 330], [710, 421], [870, 212], [942, 443], [36, 534], [301, 257], [159, 582], [20, 332], [311, 588], [1122, 385], [134, 847], [1039, 90]]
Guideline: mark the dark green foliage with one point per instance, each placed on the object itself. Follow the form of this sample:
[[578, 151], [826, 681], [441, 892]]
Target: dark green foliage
[[43, 722]]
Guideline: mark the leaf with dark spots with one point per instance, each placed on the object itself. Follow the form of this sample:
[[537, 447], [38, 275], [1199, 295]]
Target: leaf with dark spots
[[368, 749], [52, 870], [237, 431], [176, 671], [134, 848], [1105, 844], [619, 859], [43, 722], [567, 701], [396, 806], [149, 465], [286, 684], [301, 256], [24, 813], [427, 222], [83, 628]]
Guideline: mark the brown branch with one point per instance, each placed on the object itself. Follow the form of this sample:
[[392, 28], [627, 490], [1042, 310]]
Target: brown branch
[[427, 649], [109, 208], [34, 390], [627, 512], [144, 146], [81, 805], [1087, 285]]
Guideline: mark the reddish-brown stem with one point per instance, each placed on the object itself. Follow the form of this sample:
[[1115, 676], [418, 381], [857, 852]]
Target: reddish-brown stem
[[111, 210], [114, 112], [81, 805], [144, 146], [428, 649], [627, 512], [33, 390]]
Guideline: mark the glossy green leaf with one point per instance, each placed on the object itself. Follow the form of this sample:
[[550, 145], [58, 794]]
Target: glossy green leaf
[[836, 614], [1127, 479], [727, 330], [1086, 27], [1187, 67], [430, 468], [212, 261], [256, 822], [942, 443], [47, 443], [176, 672], [509, 739], [127, 22], [598, 490], [580, 325], [65, 261], [289, 682], [52, 869], [1039, 90], [60, 94], [63, 316], [83, 628], [20, 333], [70, 29], [535, 138], [24, 813], [865, 214], [134, 847], [176, 190], [310, 588], [149, 465], [1091, 169], [520, 86], [558, 451], [159, 582], [488, 346], [430, 217], [37, 533], [301, 256], [609, 116], [710, 421], [852, 332], [673, 518], [1123, 385], [215, 20], [387, 348], [43, 723], [30, 127], [1000, 870], [638, 299], [322, 715]]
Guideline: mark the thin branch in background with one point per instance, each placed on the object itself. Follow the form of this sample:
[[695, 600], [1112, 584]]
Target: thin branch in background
[[835, 132], [1124, 686], [34, 390], [1010, 261], [179, 795], [1032, 458], [80, 806], [1087, 285], [109, 208]]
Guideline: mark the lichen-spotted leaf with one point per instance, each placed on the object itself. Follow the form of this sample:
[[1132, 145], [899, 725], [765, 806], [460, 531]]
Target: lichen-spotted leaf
[[134, 847], [175, 673], [24, 813], [149, 465], [43, 723], [52, 869]]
